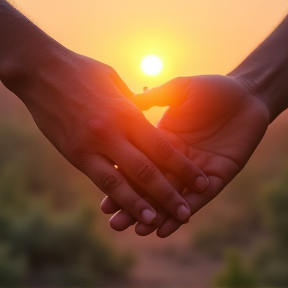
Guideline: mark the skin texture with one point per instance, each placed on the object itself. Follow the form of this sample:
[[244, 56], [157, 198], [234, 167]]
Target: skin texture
[[218, 124], [82, 107]]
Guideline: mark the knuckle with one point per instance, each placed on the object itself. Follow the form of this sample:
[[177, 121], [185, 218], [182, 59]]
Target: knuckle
[[146, 172], [163, 148], [74, 153], [131, 201], [128, 111], [110, 181], [110, 70], [81, 162], [187, 171], [99, 128], [168, 196]]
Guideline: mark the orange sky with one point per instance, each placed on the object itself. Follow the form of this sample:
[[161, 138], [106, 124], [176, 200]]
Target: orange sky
[[191, 36]]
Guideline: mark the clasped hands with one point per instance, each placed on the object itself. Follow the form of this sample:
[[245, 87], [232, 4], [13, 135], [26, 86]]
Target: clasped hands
[[165, 174], [217, 123], [155, 177]]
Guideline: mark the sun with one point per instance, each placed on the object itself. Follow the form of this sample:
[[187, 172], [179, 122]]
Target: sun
[[151, 65]]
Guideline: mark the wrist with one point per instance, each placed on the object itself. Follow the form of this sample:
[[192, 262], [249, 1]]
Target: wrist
[[273, 97], [20, 68], [21, 75], [265, 71], [251, 88]]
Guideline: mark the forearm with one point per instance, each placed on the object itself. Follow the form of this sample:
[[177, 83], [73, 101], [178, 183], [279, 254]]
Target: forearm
[[25, 50], [265, 71]]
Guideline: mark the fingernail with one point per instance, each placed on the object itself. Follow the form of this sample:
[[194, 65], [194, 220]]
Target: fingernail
[[183, 213], [148, 216], [200, 184]]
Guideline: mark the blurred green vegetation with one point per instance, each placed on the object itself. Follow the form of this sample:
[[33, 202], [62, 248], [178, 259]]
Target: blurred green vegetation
[[267, 264], [48, 226], [271, 259], [235, 275]]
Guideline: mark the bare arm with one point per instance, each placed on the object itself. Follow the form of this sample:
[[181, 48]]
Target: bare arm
[[265, 71]]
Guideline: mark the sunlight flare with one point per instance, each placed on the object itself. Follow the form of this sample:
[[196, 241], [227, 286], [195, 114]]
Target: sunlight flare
[[151, 65]]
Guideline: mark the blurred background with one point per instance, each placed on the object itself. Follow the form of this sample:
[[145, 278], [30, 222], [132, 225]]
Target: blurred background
[[52, 232]]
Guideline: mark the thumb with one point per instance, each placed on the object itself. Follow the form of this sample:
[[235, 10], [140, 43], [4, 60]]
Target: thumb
[[172, 93]]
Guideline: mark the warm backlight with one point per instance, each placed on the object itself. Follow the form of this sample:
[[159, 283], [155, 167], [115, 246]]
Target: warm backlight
[[151, 65]]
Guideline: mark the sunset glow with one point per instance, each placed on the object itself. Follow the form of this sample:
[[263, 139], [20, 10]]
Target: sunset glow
[[116, 64], [203, 38], [151, 65]]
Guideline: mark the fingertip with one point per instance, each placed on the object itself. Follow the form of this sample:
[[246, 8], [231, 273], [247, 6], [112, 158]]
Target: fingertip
[[162, 236], [142, 229], [168, 228], [143, 101], [156, 96], [148, 216], [121, 221], [109, 206], [200, 183], [183, 212]]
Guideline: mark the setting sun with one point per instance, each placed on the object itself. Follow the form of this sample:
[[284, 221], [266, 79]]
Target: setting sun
[[151, 65]]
